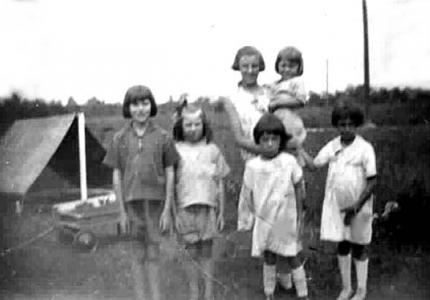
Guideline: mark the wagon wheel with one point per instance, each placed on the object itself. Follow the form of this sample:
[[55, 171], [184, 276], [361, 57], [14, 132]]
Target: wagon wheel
[[85, 239]]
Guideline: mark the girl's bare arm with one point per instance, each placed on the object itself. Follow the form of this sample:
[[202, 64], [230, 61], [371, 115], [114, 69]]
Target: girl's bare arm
[[285, 100], [116, 180], [166, 215], [298, 189], [221, 204], [308, 159], [364, 196]]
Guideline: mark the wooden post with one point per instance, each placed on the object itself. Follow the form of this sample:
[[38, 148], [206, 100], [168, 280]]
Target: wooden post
[[82, 156], [366, 61]]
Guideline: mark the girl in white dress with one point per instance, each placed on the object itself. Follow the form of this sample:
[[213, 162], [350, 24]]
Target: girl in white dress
[[199, 193], [271, 203], [348, 201]]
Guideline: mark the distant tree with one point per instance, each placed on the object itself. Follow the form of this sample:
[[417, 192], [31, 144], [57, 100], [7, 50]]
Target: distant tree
[[94, 102], [72, 105], [71, 102]]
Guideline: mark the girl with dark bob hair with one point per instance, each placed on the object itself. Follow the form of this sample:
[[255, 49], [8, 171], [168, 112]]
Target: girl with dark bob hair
[[142, 156], [135, 94], [271, 204], [346, 109], [268, 123], [288, 95], [348, 201]]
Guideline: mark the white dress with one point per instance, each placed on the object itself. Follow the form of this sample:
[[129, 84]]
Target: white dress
[[293, 123], [268, 204], [250, 109], [349, 168], [200, 167]]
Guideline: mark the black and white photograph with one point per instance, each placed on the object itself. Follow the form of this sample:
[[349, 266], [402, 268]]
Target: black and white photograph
[[211, 150]]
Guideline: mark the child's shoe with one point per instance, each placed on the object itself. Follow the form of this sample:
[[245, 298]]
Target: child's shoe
[[269, 280], [345, 273], [285, 280], [361, 267], [299, 278]]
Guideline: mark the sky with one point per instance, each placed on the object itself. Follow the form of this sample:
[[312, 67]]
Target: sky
[[56, 49]]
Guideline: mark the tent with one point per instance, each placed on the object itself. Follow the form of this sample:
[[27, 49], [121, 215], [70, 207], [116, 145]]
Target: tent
[[44, 154]]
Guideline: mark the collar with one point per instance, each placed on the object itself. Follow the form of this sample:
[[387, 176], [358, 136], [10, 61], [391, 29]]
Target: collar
[[339, 147], [149, 127]]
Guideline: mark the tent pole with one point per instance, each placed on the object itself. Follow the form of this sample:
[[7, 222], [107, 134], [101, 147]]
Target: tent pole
[[82, 156]]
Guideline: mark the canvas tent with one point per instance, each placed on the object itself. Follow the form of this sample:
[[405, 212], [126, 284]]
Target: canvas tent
[[43, 153]]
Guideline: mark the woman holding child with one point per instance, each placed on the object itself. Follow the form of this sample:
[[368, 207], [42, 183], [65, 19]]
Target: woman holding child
[[247, 107]]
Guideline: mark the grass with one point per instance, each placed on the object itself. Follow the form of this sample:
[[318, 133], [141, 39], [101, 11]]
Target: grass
[[47, 269], [403, 160]]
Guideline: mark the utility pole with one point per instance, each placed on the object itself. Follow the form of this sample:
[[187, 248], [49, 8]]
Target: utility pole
[[366, 62], [326, 82]]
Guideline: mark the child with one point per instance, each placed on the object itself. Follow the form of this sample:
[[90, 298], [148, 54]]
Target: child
[[271, 202], [348, 202], [200, 192], [288, 94], [142, 156]]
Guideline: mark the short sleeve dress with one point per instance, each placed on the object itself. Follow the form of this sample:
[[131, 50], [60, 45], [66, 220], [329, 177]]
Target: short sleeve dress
[[200, 167], [349, 168], [250, 108], [293, 123], [268, 204]]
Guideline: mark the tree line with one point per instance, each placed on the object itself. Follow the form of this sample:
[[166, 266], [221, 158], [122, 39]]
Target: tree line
[[413, 101]]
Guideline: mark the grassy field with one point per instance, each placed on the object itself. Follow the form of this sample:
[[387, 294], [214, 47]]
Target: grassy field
[[403, 160], [403, 153], [47, 269]]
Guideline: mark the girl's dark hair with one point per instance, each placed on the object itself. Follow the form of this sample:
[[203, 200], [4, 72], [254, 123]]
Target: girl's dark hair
[[138, 93], [248, 50], [292, 54], [269, 123], [178, 131], [346, 109]]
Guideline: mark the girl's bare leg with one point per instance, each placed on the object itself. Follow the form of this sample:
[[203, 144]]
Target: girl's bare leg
[[152, 265], [193, 279], [208, 265], [284, 277], [299, 277], [192, 271]]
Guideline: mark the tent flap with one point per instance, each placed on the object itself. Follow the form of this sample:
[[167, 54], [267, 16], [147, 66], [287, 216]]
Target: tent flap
[[28, 148]]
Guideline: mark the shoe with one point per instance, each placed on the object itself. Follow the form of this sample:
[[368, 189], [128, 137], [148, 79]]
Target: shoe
[[360, 294], [270, 297]]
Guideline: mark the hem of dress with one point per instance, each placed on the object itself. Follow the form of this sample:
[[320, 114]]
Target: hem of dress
[[345, 239], [197, 203], [299, 248]]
